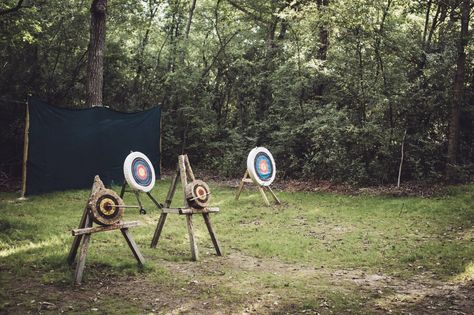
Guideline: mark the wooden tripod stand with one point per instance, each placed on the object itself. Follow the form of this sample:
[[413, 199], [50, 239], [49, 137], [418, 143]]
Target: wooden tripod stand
[[183, 172], [247, 179], [83, 233]]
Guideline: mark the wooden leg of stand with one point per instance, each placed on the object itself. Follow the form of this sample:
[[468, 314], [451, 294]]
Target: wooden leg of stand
[[82, 259], [159, 228], [133, 246], [241, 185], [239, 190], [169, 196], [207, 219], [274, 196], [85, 222], [263, 195], [192, 237]]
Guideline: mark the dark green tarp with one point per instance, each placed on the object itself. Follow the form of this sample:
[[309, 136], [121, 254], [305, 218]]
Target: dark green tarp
[[67, 148]]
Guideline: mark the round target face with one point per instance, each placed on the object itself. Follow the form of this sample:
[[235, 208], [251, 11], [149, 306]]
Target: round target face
[[261, 166], [106, 207], [197, 194], [139, 172]]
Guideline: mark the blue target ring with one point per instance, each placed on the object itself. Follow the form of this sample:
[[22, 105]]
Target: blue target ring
[[141, 171], [263, 166]]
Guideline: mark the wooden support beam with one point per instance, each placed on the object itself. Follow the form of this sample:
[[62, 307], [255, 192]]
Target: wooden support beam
[[192, 237], [188, 168], [174, 182], [247, 179], [81, 263], [274, 196], [189, 210], [207, 220], [96, 229], [133, 246], [265, 199], [159, 228], [182, 173], [241, 185], [85, 222], [26, 140]]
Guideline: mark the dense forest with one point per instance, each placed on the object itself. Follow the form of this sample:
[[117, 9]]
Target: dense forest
[[336, 89]]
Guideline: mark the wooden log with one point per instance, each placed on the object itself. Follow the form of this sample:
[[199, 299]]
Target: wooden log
[[159, 228], [207, 220], [184, 180], [190, 210], [96, 229], [192, 237], [189, 168], [133, 246]]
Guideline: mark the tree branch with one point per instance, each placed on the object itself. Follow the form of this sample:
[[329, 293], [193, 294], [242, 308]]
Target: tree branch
[[239, 7]]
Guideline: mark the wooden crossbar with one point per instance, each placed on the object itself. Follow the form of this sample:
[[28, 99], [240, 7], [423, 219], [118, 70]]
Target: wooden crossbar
[[190, 210], [96, 229]]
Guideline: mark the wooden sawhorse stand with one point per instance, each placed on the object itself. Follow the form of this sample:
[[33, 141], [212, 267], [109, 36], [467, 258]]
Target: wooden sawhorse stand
[[184, 171], [83, 233], [247, 179]]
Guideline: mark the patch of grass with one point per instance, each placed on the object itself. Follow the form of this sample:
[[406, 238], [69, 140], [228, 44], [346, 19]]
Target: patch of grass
[[401, 237]]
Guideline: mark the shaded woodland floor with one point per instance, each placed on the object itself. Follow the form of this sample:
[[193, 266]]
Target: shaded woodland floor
[[318, 253]]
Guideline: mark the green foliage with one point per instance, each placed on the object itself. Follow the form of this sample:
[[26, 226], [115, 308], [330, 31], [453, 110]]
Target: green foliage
[[257, 73]]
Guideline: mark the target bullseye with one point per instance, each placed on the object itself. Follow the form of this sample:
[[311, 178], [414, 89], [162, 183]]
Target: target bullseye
[[198, 194], [139, 172], [261, 166], [106, 207]]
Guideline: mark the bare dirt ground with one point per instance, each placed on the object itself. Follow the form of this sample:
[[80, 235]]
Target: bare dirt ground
[[383, 294]]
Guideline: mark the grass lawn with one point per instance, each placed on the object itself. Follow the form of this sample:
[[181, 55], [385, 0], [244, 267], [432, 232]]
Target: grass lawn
[[316, 253]]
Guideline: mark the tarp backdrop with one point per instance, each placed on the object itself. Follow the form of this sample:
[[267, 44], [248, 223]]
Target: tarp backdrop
[[67, 148]]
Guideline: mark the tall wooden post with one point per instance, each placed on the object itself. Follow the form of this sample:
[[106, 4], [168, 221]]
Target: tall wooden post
[[25, 152]]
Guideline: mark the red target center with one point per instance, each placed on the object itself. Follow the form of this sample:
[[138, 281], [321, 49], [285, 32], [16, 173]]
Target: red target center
[[141, 170], [200, 192], [263, 166]]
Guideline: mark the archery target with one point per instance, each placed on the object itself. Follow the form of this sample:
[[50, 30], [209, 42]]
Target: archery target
[[105, 207], [139, 172], [261, 166], [198, 194]]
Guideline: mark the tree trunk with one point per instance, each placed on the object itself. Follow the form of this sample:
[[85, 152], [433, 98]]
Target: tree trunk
[[458, 92], [190, 18], [323, 34], [95, 67]]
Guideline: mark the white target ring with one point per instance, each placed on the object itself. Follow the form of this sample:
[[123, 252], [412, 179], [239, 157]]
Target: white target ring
[[139, 172], [261, 166]]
